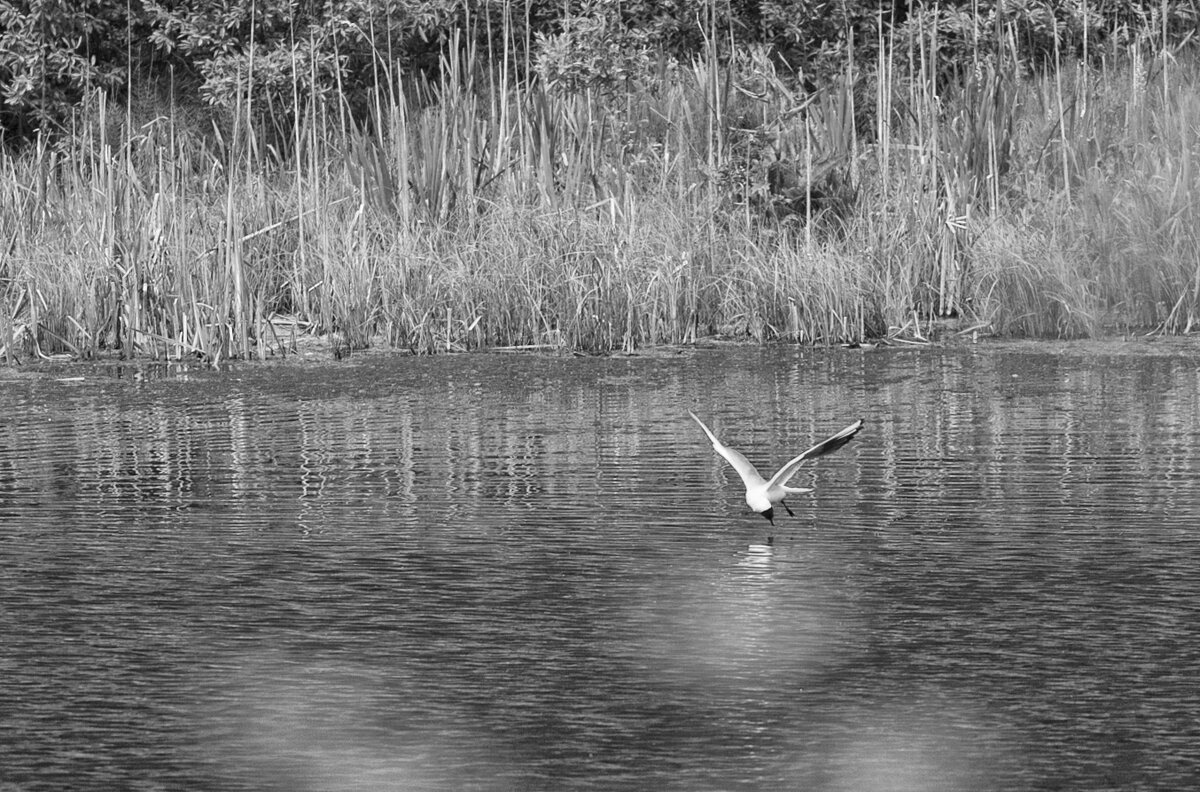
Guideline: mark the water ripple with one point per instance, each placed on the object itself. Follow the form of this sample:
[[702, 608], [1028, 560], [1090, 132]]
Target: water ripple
[[531, 573]]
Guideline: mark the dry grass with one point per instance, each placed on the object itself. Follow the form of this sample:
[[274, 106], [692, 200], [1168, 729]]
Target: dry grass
[[716, 200]]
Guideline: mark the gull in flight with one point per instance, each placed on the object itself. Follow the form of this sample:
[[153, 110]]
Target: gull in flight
[[762, 494]]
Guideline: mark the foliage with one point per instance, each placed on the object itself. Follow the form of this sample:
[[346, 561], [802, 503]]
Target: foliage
[[286, 53], [596, 52], [958, 36], [596, 208], [818, 37], [284, 56], [565, 220], [51, 53]]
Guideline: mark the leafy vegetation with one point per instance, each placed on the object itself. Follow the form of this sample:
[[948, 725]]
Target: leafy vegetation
[[443, 176]]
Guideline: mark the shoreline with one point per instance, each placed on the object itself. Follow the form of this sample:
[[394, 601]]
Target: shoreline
[[314, 350]]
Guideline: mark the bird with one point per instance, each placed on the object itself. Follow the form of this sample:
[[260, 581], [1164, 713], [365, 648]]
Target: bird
[[762, 494]]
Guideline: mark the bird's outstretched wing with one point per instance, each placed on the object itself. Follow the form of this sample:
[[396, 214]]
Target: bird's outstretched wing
[[826, 446], [747, 471]]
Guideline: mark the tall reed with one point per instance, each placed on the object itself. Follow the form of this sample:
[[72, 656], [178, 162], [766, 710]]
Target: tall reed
[[479, 211]]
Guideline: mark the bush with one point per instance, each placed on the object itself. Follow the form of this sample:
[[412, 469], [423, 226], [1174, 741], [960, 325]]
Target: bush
[[282, 52], [51, 53]]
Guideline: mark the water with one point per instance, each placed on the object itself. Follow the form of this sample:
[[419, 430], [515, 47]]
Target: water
[[533, 573]]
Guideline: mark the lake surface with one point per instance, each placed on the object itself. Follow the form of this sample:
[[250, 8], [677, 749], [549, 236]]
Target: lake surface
[[490, 572]]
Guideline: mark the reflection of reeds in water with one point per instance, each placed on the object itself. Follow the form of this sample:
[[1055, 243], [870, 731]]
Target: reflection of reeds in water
[[476, 211]]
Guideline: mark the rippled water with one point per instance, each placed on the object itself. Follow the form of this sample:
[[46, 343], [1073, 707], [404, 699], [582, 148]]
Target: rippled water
[[533, 573]]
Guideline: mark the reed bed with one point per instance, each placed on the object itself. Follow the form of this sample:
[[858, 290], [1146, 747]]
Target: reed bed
[[473, 212]]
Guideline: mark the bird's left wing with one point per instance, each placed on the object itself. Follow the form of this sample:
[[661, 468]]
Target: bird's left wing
[[749, 473], [826, 446]]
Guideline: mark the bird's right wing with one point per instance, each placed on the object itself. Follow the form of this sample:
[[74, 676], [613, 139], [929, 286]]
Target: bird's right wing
[[826, 446], [747, 471]]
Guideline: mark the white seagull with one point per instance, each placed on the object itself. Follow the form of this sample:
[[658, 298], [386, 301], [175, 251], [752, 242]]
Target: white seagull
[[761, 494]]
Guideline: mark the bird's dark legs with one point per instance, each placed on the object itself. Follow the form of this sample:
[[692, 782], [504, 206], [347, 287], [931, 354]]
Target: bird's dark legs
[[789, 511]]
